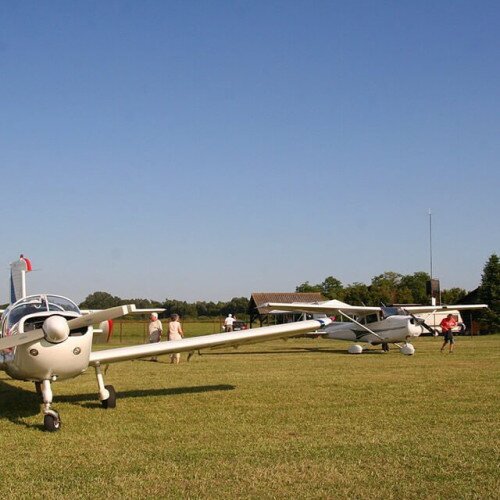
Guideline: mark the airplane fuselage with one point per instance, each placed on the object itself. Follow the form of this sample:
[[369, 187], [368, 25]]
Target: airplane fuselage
[[41, 359], [391, 329]]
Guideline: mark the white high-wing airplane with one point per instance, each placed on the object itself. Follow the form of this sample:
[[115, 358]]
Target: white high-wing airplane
[[45, 338], [374, 325]]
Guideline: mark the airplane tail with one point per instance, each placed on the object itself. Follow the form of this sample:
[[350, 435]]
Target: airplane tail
[[18, 270]]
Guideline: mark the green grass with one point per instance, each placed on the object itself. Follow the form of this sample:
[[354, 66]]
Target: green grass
[[297, 419], [136, 331]]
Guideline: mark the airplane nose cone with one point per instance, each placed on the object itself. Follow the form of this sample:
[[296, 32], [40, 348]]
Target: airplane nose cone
[[56, 329], [414, 329]]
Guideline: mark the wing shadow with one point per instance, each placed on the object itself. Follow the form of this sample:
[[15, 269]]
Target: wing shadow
[[90, 400], [290, 350], [18, 403]]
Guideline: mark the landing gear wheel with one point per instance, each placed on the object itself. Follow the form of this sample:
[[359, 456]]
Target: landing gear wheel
[[385, 346], [111, 401], [38, 388], [52, 422]]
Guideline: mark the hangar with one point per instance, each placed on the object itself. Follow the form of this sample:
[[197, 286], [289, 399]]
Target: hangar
[[259, 313]]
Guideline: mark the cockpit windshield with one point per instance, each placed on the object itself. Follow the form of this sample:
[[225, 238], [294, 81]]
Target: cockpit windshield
[[392, 311], [39, 304]]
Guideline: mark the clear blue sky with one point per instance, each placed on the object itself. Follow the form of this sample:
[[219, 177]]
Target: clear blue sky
[[201, 150]]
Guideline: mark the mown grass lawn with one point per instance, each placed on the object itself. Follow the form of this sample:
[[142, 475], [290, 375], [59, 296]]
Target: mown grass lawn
[[297, 419]]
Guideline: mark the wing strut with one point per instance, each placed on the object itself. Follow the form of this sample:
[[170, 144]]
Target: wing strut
[[365, 327]]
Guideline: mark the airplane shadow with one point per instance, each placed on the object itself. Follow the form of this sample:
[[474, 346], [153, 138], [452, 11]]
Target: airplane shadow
[[24, 403], [90, 400], [291, 350]]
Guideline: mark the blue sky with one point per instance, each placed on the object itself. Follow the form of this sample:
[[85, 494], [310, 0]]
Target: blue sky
[[203, 150]]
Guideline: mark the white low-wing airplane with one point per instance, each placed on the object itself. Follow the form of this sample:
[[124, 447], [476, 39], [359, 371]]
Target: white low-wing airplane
[[45, 338], [374, 325]]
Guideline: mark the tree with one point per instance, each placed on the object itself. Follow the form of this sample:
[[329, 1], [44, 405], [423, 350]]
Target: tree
[[100, 300], [332, 288], [416, 284], [384, 288], [237, 305], [180, 307], [357, 294], [307, 287], [452, 295], [489, 293]]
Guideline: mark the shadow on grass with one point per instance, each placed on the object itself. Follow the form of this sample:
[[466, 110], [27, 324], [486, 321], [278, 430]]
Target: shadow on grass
[[18, 403], [91, 401], [291, 350]]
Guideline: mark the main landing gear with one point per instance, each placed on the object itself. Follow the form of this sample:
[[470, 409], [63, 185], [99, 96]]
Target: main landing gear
[[407, 349], [385, 346], [107, 393], [51, 418]]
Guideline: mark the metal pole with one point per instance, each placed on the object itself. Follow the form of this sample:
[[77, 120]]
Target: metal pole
[[433, 299], [430, 238]]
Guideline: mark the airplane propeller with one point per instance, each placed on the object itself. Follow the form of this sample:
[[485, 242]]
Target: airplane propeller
[[421, 322], [56, 329]]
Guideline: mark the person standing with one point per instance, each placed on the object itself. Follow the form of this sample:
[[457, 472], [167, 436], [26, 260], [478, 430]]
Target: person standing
[[447, 325], [155, 330], [175, 332], [228, 323]]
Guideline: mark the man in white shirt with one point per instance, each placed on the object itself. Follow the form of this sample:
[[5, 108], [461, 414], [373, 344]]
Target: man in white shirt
[[228, 323]]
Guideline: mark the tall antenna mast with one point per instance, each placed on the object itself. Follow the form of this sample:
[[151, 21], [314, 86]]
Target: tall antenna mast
[[433, 298], [430, 238]]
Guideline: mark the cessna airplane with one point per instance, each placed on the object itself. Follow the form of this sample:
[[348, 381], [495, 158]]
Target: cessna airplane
[[375, 325], [45, 338]]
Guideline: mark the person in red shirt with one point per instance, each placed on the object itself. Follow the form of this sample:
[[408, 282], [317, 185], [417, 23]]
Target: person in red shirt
[[447, 325]]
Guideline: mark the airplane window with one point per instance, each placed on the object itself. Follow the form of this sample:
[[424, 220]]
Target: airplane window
[[23, 310], [371, 318], [390, 311], [55, 307], [64, 303]]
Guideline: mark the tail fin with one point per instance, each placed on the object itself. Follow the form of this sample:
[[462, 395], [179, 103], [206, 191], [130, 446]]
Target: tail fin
[[18, 270]]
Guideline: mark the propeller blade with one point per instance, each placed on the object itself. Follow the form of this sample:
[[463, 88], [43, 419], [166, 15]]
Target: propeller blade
[[60, 332], [429, 328], [21, 338], [421, 322], [99, 316]]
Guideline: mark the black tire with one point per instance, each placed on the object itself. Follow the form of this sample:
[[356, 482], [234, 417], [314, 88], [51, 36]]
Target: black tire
[[51, 423], [38, 388], [111, 401], [385, 346]]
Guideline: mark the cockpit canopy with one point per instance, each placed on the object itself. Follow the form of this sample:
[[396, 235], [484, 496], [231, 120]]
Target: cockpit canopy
[[393, 311], [38, 304]]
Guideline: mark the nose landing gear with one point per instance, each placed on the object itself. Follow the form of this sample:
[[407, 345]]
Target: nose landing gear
[[51, 418], [52, 421]]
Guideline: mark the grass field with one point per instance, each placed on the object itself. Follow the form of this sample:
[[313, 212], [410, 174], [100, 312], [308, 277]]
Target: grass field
[[295, 419]]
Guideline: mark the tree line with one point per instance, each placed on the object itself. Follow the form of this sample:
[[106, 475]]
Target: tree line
[[387, 288], [199, 309]]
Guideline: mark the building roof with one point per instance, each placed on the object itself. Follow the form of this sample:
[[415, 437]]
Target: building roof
[[259, 298]]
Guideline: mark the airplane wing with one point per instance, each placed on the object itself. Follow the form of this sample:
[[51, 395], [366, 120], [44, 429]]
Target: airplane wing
[[330, 307], [134, 311], [431, 309], [253, 335]]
